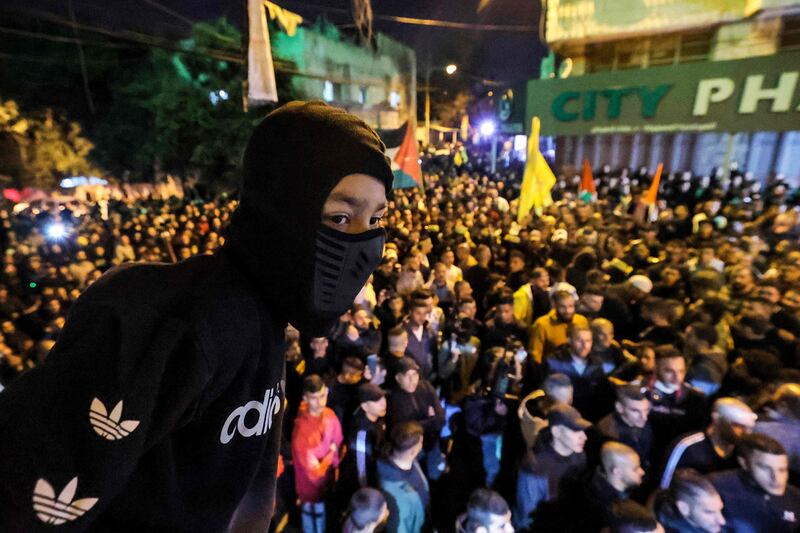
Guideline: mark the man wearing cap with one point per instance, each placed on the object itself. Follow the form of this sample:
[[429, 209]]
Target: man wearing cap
[[364, 441], [713, 449], [554, 465], [627, 300], [414, 399]]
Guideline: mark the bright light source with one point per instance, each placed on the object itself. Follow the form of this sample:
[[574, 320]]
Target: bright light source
[[451, 69], [213, 98], [223, 94], [56, 231], [487, 128], [520, 143], [327, 91]]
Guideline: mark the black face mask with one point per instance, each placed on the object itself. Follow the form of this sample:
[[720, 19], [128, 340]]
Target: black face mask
[[294, 159], [343, 264]]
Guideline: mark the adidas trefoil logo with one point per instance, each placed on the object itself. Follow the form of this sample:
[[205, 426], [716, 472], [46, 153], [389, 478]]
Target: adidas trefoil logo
[[107, 425], [57, 511]]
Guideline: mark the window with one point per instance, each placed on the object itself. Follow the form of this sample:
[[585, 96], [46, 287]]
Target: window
[[394, 99], [631, 54], [790, 33], [663, 50], [695, 47], [327, 91], [362, 95], [600, 57]]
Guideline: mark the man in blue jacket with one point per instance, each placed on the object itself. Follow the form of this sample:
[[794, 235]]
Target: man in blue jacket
[[758, 496]]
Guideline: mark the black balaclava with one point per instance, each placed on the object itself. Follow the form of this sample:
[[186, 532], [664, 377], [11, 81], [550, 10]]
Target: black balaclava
[[307, 272]]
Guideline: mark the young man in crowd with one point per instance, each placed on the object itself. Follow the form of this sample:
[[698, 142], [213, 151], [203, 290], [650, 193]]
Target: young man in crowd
[[487, 512], [415, 400], [403, 482], [713, 449], [554, 466], [590, 387], [781, 421], [757, 495], [619, 473], [421, 339], [367, 512], [364, 441], [316, 448], [165, 388], [549, 332], [629, 422], [691, 505], [677, 408], [532, 300], [343, 399]]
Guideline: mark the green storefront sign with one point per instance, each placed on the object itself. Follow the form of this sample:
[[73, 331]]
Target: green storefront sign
[[758, 94]]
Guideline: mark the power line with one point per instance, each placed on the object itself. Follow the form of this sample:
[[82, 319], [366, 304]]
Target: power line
[[169, 11], [58, 38], [428, 22], [166, 46], [187, 20], [126, 35], [86, 90]]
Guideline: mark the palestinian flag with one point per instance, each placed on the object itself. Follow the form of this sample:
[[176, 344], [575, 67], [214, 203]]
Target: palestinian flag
[[401, 148], [588, 191]]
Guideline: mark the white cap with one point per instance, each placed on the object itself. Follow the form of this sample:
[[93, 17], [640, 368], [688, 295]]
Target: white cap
[[642, 283], [563, 286], [735, 411], [560, 235]]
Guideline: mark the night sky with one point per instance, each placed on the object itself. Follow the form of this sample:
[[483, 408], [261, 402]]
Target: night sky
[[505, 56]]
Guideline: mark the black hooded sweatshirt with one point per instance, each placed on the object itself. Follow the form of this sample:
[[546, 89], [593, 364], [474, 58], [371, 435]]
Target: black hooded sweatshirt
[[160, 406]]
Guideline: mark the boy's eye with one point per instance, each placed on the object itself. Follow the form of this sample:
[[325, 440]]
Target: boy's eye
[[338, 219], [374, 221]]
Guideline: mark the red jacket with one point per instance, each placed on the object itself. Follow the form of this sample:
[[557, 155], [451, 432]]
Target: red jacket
[[314, 463]]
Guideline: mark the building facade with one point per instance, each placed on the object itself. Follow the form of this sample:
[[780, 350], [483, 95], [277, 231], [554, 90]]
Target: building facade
[[376, 83], [696, 84]]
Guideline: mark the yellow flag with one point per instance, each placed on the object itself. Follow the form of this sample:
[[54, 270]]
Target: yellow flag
[[538, 179]]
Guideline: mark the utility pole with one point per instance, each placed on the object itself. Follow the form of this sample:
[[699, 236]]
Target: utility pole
[[428, 101]]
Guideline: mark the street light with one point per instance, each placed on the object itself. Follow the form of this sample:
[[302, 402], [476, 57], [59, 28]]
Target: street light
[[488, 129], [450, 70]]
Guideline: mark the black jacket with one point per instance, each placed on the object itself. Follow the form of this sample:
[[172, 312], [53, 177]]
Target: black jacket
[[612, 427], [669, 516], [749, 508], [159, 408], [405, 407]]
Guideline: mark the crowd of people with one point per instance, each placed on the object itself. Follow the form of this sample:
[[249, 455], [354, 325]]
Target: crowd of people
[[599, 364]]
